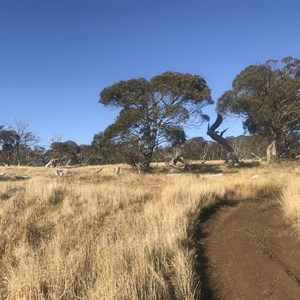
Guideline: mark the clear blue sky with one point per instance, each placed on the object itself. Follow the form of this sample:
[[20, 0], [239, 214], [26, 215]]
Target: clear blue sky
[[56, 56]]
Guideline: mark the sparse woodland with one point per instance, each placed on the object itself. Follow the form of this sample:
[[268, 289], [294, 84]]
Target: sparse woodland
[[78, 230], [155, 113]]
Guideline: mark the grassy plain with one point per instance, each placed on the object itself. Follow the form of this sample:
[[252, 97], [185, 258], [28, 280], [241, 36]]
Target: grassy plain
[[97, 235]]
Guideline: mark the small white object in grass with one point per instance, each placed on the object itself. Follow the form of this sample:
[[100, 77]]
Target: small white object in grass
[[60, 172], [116, 170], [256, 176], [22, 177], [171, 175]]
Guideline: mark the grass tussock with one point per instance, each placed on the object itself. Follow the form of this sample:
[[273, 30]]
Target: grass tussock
[[95, 235], [290, 201]]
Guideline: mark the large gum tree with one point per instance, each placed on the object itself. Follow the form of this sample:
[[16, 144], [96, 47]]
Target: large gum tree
[[267, 96], [148, 109]]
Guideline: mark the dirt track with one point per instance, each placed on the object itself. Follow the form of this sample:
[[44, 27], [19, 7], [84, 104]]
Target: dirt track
[[248, 252]]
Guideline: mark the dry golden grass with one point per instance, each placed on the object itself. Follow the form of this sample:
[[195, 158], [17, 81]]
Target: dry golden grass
[[290, 202], [92, 235]]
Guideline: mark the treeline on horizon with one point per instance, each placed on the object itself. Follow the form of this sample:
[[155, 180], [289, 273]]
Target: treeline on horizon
[[70, 153]]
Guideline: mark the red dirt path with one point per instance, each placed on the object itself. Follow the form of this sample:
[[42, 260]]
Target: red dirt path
[[250, 253]]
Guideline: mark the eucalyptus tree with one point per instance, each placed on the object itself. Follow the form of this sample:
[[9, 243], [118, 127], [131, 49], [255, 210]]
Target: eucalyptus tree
[[16, 142], [148, 109], [267, 96], [110, 151], [88, 155], [64, 152], [6, 145], [176, 137]]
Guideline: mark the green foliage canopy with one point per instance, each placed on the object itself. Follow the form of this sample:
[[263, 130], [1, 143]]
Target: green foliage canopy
[[64, 152], [148, 109], [268, 97]]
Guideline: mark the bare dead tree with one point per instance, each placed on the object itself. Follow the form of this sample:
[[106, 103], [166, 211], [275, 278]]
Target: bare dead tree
[[177, 156], [52, 163], [218, 137], [205, 152]]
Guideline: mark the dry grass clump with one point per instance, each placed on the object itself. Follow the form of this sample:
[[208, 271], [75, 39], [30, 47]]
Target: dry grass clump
[[95, 235], [111, 241], [290, 201]]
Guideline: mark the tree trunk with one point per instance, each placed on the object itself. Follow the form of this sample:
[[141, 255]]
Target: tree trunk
[[177, 156], [272, 151], [144, 166], [211, 131]]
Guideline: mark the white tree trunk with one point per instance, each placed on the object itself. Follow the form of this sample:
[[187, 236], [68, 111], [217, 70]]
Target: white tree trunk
[[272, 152]]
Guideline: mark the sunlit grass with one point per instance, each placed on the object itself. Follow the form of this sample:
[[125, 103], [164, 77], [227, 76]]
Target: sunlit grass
[[290, 202], [97, 235]]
